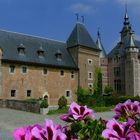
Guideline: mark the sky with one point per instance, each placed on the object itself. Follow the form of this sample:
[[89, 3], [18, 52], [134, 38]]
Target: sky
[[55, 19]]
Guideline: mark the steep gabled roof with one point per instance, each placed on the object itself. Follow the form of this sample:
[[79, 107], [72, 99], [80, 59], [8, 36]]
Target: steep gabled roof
[[10, 41], [80, 36]]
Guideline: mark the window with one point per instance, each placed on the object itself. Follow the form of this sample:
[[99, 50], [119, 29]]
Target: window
[[90, 76], [68, 93], [62, 72], [29, 93], [117, 71], [45, 71], [90, 85], [72, 75], [13, 93], [21, 50], [117, 85], [90, 61], [58, 55], [12, 69], [24, 69], [40, 52]]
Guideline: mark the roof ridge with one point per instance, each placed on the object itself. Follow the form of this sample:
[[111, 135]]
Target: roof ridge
[[32, 35]]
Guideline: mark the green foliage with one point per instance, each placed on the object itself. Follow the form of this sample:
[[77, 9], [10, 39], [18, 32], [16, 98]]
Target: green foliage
[[58, 111], [91, 130], [113, 100], [31, 101], [97, 86], [84, 97], [62, 102], [108, 89], [44, 104]]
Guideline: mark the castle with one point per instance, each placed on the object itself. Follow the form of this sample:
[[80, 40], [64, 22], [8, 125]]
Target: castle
[[34, 67]]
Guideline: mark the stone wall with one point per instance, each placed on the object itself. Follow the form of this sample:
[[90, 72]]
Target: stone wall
[[52, 83], [84, 55], [20, 105]]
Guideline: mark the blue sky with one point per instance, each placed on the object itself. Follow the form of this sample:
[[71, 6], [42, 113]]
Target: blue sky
[[56, 18]]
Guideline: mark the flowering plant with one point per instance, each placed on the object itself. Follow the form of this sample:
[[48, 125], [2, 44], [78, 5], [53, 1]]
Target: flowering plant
[[81, 125]]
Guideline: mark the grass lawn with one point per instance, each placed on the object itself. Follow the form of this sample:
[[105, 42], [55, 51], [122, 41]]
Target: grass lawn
[[103, 108], [65, 110]]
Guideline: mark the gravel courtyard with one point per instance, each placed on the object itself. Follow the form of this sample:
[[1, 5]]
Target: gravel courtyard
[[11, 119]]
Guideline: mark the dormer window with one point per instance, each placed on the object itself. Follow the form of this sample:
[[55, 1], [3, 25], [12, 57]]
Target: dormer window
[[21, 49], [58, 55], [40, 52]]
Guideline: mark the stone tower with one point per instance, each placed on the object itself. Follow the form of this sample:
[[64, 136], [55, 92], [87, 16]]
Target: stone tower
[[85, 54], [132, 67]]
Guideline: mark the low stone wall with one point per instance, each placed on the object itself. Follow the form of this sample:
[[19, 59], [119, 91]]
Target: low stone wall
[[20, 105]]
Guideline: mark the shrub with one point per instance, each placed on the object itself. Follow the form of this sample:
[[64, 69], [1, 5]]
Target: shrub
[[108, 89], [62, 102], [44, 104], [84, 97]]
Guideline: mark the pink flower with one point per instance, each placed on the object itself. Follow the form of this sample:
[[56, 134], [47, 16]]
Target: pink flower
[[49, 132], [128, 109], [77, 112], [24, 133], [119, 131]]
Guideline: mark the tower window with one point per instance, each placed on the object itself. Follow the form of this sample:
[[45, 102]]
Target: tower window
[[45, 71], [72, 75], [90, 85], [12, 69], [24, 69], [117, 71], [90, 75], [90, 61], [29, 93], [13, 93], [62, 72]]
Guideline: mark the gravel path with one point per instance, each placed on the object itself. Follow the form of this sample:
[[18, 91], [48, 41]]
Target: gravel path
[[11, 119]]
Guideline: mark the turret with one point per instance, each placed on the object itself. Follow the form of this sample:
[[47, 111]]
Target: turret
[[131, 49], [127, 29], [100, 46]]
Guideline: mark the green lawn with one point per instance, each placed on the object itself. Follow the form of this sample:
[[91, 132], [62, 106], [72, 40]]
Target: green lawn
[[65, 110]]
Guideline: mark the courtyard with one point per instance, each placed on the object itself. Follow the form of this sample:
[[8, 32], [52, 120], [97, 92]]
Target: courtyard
[[11, 119]]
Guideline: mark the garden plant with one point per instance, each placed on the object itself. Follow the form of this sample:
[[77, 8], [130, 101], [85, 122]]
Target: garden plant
[[82, 125]]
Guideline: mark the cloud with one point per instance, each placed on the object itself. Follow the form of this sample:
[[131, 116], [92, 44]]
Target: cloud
[[82, 8]]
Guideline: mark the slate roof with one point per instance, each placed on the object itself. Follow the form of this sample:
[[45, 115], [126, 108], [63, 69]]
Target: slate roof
[[100, 46], [80, 36], [10, 41], [120, 48]]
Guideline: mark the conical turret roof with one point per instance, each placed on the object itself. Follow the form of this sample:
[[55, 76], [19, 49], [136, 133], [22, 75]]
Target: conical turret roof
[[100, 46], [80, 36]]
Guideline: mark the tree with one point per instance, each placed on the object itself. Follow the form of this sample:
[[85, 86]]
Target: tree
[[97, 85]]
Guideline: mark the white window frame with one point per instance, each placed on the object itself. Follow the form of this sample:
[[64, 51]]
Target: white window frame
[[22, 69], [10, 69], [69, 93], [91, 75], [89, 85], [90, 60], [63, 74], [72, 73]]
